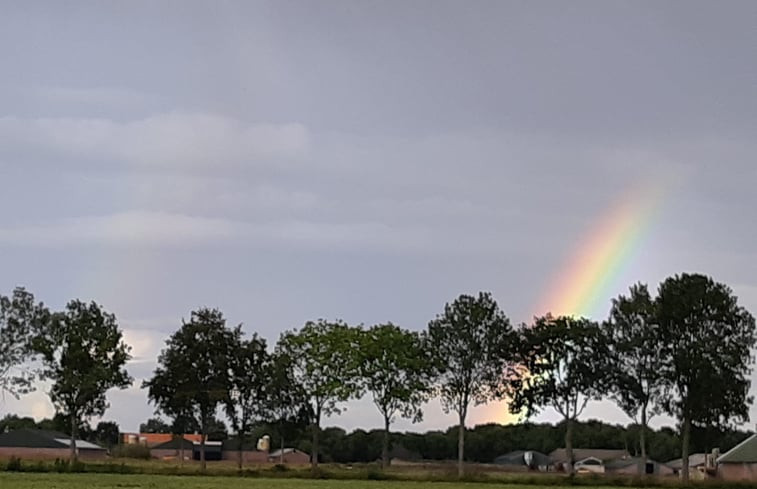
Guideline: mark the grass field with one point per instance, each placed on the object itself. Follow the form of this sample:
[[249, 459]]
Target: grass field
[[14, 480]]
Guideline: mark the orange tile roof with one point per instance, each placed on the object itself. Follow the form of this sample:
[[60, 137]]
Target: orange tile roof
[[151, 439]]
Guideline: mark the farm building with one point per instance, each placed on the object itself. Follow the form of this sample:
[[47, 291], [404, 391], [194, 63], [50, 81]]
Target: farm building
[[587, 459], [697, 466], [154, 439], [636, 465], [739, 463], [43, 444], [250, 453], [174, 448], [524, 460], [290, 456]]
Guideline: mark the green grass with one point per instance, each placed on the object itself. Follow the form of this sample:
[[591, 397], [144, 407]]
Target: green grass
[[13, 480]]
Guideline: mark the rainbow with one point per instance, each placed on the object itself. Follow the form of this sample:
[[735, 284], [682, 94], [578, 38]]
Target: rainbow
[[585, 285]]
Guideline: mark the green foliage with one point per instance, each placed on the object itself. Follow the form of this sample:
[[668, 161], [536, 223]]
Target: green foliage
[[248, 371], [324, 363], [286, 402], [636, 363], [565, 366], [13, 465], [396, 368], [475, 348], [192, 378], [20, 319], [107, 433], [708, 340], [135, 451], [155, 425], [564, 360], [84, 356]]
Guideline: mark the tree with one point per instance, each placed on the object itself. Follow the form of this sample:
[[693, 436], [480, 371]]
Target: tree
[[396, 368], [475, 348], [192, 378], [84, 356], [248, 369], [107, 433], [20, 318], [287, 404], [155, 425], [636, 361], [564, 360], [324, 365], [707, 341]]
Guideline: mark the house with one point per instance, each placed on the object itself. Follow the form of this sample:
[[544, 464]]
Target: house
[[290, 456], [697, 466], [524, 460], [587, 460], [633, 465], [740, 462], [44, 444]]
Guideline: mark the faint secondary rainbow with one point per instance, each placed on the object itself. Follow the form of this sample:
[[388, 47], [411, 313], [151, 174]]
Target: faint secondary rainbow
[[584, 286]]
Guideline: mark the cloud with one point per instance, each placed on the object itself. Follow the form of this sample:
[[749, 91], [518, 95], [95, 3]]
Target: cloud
[[178, 140], [145, 228]]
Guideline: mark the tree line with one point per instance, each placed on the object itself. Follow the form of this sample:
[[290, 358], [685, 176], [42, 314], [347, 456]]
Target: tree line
[[685, 351]]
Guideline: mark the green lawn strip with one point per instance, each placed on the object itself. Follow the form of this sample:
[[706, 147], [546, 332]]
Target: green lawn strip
[[12, 480]]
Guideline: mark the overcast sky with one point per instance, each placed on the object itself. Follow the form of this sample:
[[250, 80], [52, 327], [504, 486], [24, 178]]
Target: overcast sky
[[369, 161]]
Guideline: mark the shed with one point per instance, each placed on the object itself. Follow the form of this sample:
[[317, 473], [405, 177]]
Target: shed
[[740, 462], [43, 444]]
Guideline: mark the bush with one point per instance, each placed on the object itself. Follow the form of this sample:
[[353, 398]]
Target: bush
[[14, 465], [279, 468], [131, 451]]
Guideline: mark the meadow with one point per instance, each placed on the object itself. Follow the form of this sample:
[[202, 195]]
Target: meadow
[[20, 480]]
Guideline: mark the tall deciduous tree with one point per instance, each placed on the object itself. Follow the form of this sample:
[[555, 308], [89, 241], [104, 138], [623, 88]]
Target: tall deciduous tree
[[107, 433], [636, 361], [324, 363], [84, 356], [708, 340], [192, 378], [248, 368], [475, 348], [287, 404], [20, 319], [565, 367], [396, 368]]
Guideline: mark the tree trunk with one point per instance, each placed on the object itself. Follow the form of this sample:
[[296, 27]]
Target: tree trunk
[[461, 446], [181, 449], [569, 444], [281, 452], [385, 445], [202, 448], [239, 452], [685, 449], [73, 439], [316, 430], [643, 441]]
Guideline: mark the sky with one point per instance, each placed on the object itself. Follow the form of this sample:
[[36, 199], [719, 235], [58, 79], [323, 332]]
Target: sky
[[370, 161]]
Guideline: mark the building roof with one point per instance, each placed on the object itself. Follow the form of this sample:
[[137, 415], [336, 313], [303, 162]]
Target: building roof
[[277, 453], [30, 438], [518, 457], [152, 439], [174, 444], [744, 452], [695, 460], [560, 455], [625, 462]]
